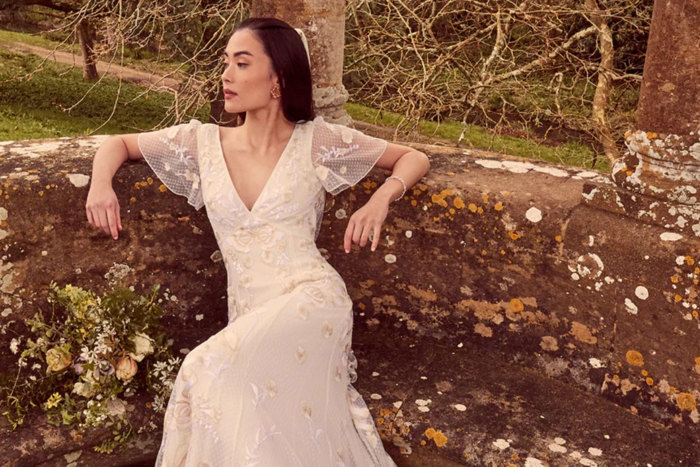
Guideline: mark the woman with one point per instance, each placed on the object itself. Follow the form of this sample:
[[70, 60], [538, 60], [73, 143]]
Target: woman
[[273, 388]]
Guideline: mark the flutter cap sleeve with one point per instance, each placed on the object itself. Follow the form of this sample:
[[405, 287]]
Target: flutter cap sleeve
[[172, 153], [342, 156]]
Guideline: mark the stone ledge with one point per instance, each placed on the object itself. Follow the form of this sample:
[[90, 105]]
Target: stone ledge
[[501, 256]]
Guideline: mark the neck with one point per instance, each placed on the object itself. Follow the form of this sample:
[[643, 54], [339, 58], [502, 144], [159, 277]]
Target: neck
[[264, 128]]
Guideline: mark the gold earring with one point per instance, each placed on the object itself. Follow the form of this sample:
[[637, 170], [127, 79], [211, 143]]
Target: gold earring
[[275, 91]]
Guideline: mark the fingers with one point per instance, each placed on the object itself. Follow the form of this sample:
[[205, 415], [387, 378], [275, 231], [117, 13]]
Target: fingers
[[359, 232], [111, 223]]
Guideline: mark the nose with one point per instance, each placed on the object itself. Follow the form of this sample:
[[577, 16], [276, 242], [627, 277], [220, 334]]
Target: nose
[[226, 75]]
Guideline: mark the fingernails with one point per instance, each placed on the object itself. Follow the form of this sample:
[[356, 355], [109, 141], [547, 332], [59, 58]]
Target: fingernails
[[347, 251]]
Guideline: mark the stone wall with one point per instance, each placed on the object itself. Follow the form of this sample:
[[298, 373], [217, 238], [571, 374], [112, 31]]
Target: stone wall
[[487, 252]]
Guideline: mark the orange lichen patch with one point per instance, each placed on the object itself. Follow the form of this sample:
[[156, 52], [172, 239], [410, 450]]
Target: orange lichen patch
[[132, 199], [634, 358], [162, 188], [503, 252], [652, 135], [438, 199], [414, 202], [48, 187], [675, 279], [514, 235], [452, 210], [689, 260], [385, 412], [697, 270], [380, 420], [686, 401], [437, 436], [581, 333], [450, 173], [498, 206], [458, 202], [427, 295], [139, 185], [649, 381], [361, 306], [422, 442], [485, 197], [516, 305], [422, 186], [436, 219], [558, 238], [677, 298], [41, 193], [645, 372], [149, 180], [480, 210]]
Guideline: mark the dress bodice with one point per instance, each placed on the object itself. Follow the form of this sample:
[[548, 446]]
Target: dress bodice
[[269, 249]]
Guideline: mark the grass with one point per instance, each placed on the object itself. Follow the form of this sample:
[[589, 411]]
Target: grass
[[35, 106], [570, 153], [139, 59]]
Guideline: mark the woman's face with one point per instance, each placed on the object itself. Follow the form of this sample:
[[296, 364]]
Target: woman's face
[[248, 76]]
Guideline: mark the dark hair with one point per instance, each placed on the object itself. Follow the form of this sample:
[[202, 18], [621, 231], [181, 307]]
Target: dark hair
[[289, 61]]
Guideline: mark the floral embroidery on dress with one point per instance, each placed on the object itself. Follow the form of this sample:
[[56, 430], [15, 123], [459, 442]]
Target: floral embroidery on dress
[[314, 433], [251, 458]]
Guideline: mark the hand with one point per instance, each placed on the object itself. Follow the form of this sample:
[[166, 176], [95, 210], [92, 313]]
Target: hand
[[102, 209], [368, 218]]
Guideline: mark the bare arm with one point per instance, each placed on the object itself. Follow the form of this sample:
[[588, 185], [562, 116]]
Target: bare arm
[[102, 206], [404, 162]]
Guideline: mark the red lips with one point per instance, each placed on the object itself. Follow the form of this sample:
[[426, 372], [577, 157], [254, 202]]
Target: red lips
[[228, 94]]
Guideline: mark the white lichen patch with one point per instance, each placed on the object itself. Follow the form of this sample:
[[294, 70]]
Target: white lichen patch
[[670, 236], [518, 167], [375, 396], [3, 214], [641, 292], [460, 407], [533, 214], [79, 180], [680, 260], [409, 234], [390, 258], [554, 447], [551, 171], [595, 363], [533, 462], [489, 164], [501, 444], [630, 307], [595, 452], [341, 214]]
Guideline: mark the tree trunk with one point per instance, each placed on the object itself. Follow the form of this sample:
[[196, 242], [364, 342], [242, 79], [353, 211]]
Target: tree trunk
[[87, 45], [602, 90]]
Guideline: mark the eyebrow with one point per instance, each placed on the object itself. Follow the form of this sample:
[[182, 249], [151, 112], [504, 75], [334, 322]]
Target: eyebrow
[[237, 54]]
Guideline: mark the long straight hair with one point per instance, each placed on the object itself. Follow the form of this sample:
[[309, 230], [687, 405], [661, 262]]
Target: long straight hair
[[289, 61]]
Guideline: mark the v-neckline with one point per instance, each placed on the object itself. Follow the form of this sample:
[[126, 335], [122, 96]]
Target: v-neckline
[[267, 182]]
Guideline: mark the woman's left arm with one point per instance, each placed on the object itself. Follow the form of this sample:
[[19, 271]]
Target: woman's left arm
[[404, 162]]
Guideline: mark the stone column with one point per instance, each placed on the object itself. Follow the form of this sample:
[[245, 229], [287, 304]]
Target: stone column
[[323, 23], [660, 174]]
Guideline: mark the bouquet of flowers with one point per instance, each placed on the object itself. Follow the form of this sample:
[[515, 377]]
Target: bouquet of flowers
[[83, 362]]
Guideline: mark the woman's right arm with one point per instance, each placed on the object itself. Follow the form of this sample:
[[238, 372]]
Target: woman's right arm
[[102, 206]]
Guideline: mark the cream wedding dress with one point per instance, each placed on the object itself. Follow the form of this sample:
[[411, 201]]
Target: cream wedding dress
[[273, 388]]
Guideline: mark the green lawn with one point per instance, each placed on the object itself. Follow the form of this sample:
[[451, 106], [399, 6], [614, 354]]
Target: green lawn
[[36, 106]]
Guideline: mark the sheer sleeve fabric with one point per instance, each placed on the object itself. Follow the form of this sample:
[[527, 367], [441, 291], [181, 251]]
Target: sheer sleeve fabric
[[172, 153], [342, 156]]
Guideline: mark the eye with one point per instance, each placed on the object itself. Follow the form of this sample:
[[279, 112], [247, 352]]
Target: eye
[[242, 64]]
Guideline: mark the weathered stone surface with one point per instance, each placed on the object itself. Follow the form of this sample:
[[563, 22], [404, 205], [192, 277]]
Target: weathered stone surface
[[669, 99], [323, 22], [503, 290], [661, 167]]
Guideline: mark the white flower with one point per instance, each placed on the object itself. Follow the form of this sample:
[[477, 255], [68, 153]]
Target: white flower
[[14, 344], [143, 346], [84, 389]]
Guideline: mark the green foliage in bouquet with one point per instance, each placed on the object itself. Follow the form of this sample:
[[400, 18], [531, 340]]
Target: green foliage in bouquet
[[84, 361]]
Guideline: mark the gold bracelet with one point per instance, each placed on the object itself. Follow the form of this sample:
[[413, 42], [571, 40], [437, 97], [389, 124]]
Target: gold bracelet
[[402, 183]]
